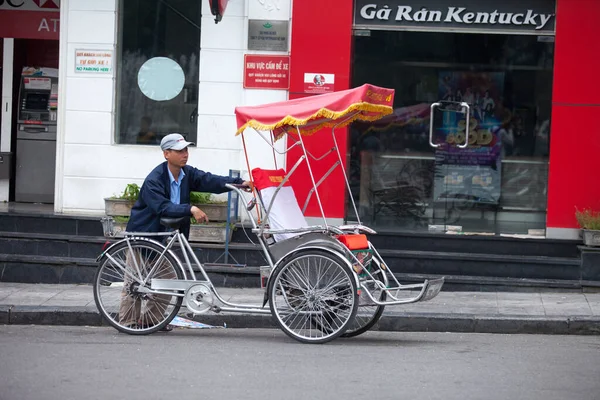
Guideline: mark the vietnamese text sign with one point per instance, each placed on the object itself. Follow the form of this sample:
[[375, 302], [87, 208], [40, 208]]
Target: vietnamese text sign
[[266, 72], [94, 61], [268, 35], [523, 16]]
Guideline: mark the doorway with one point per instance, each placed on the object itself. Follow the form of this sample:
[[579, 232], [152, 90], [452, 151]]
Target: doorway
[[467, 146]]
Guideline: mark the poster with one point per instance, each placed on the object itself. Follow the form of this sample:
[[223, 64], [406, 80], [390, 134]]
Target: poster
[[266, 71], [472, 173], [94, 61], [315, 82]]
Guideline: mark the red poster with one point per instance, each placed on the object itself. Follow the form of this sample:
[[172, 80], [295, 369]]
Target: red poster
[[266, 72]]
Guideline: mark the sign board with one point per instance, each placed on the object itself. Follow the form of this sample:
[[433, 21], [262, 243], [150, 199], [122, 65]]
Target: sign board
[[30, 19], [526, 16], [93, 61], [266, 71], [30, 5], [268, 35], [318, 82], [35, 83]]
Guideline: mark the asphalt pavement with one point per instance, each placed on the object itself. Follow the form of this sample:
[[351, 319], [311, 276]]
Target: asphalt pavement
[[539, 311], [72, 362]]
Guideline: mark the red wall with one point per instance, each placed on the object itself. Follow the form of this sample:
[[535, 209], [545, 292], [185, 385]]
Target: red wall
[[321, 43], [575, 130]]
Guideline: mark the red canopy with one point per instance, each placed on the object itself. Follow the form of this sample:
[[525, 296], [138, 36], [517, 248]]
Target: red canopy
[[310, 114]]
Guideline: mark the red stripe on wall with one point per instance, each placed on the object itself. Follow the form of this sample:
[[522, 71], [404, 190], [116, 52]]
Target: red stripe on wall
[[29, 24], [321, 43], [575, 132]]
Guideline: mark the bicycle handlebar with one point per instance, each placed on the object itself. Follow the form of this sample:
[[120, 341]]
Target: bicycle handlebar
[[239, 186]]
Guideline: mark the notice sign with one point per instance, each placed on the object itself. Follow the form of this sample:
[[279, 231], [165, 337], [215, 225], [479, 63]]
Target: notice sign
[[318, 83], [266, 72], [266, 35], [94, 61], [37, 83]]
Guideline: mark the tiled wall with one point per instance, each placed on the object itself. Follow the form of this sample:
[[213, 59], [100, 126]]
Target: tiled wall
[[93, 166]]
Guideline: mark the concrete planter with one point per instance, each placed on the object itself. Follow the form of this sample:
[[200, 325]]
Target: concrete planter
[[214, 211], [117, 207], [209, 233], [591, 238]]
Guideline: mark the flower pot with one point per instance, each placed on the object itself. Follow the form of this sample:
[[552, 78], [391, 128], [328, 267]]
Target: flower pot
[[209, 233], [591, 238], [117, 207], [214, 211]]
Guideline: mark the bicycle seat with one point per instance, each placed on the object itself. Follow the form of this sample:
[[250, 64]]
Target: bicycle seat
[[172, 222]]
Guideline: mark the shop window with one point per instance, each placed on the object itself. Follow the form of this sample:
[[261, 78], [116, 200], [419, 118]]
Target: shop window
[[498, 184], [158, 63]]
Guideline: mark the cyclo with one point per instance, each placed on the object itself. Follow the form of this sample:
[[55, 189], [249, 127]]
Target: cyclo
[[325, 281]]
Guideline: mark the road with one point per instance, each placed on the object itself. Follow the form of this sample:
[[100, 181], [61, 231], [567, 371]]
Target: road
[[47, 362]]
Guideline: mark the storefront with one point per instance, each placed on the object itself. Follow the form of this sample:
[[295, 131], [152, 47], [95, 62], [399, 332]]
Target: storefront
[[510, 66], [525, 72]]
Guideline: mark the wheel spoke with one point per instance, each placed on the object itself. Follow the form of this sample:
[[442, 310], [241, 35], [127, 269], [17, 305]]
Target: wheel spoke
[[117, 284], [313, 297]]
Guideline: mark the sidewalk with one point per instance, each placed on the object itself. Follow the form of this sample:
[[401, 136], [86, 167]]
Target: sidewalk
[[543, 312]]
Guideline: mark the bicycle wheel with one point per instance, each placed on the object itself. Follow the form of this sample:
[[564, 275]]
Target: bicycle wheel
[[313, 296], [368, 313], [117, 285]]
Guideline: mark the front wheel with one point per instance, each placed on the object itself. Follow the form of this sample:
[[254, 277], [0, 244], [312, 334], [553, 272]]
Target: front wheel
[[313, 296], [121, 283]]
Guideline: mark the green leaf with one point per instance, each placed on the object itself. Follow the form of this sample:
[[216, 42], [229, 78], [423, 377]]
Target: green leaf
[[131, 192], [267, 25], [199, 198], [588, 219]]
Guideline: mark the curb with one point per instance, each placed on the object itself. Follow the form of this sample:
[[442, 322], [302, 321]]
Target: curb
[[405, 322]]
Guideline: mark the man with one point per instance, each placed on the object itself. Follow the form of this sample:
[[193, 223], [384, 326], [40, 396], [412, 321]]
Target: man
[[166, 190], [166, 193]]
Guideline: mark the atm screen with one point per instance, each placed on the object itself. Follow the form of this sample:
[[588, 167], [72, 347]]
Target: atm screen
[[36, 101]]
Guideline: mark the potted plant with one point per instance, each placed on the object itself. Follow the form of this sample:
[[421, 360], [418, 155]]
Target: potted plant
[[215, 210], [589, 221], [121, 205], [215, 231], [210, 232]]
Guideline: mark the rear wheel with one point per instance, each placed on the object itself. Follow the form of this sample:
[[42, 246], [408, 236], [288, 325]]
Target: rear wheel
[[313, 296], [121, 294], [368, 312]]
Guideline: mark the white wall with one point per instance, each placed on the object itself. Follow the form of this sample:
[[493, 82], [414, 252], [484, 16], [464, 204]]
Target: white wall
[[90, 166]]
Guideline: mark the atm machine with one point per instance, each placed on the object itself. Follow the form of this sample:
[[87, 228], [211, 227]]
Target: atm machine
[[36, 136]]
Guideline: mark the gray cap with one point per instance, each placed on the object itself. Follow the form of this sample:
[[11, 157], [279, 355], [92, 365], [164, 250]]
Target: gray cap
[[174, 141]]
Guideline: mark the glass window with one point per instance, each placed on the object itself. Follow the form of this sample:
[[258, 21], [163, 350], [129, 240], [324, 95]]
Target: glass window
[[157, 89], [498, 183]]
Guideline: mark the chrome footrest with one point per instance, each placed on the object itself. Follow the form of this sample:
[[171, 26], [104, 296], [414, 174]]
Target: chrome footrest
[[428, 290], [434, 287]]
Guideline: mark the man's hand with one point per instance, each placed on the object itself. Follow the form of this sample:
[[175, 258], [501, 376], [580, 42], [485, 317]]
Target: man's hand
[[199, 215], [249, 185]]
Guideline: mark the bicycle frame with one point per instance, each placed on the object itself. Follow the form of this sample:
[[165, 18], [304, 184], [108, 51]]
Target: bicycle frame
[[174, 287]]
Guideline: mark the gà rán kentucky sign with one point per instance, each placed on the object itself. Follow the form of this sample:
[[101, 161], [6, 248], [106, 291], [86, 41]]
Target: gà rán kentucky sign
[[527, 16]]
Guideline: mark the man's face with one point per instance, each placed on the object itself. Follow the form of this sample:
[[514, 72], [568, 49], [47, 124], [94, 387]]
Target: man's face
[[176, 158]]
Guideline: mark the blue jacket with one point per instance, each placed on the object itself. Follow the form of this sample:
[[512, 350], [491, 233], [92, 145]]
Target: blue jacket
[[154, 201]]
